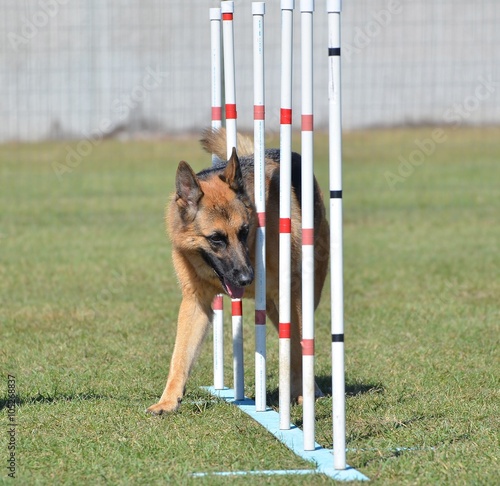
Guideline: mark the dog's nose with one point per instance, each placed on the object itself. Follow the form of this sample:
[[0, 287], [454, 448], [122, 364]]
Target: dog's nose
[[245, 278]]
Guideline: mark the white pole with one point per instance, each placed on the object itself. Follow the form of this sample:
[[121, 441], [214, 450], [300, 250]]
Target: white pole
[[218, 319], [287, 7], [258, 11], [216, 70], [308, 385], [334, 8], [218, 334], [238, 365], [227, 10]]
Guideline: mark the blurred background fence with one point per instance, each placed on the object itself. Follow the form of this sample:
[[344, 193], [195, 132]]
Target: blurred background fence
[[73, 68]]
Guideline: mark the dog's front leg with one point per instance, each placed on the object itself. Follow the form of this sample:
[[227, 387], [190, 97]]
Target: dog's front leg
[[192, 324]]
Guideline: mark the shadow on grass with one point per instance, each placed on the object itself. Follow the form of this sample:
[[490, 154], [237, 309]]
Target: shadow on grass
[[325, 384], [196, 402], [351, 389], [41, 398]]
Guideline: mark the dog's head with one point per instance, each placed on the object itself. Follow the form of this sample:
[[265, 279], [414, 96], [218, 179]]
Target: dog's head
[[217, 218]]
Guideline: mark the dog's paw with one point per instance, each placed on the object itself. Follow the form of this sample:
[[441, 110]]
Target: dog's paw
[[164, 407], [317, 394]]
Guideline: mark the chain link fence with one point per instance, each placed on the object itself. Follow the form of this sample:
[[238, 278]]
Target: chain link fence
[[70, 68]]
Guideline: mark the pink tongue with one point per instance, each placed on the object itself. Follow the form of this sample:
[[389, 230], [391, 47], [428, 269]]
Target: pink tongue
[[233, 291]]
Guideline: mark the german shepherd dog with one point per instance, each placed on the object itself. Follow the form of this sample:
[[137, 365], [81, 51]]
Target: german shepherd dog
[[211, 220]]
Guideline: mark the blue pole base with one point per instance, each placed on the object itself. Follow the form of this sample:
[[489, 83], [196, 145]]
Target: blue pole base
[[293, 439]]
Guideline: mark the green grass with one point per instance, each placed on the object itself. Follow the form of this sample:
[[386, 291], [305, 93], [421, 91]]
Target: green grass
[[88, 305]]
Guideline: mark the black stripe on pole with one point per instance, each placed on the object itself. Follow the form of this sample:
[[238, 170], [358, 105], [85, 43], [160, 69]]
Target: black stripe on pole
[[334, 51], [335, 194], [337, 338]]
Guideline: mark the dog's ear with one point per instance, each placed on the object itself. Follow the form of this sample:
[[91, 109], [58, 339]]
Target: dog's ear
[[188, 190], [232, 174]]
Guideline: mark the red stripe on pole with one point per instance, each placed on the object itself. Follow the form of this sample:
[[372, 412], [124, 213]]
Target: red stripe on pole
[[231, 112], [260, 317], [236, 308], [307, 236], [227, 16], [307, 123], [216, 113], [285, 330], [285, 225], [286, 116], [259, 112], [307, 347], [261, 220], [218, 303]]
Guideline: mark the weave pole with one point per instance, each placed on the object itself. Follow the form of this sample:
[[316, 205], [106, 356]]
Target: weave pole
[[334, 8], [216, 72], [298, 441], [287, 7], [307, 124], [258, 11], [227, 9]]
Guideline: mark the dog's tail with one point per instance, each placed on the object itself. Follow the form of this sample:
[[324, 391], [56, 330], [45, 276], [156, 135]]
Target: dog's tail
[[214, 142]]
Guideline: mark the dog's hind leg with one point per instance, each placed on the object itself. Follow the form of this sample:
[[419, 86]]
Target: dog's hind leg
[[193, 322]]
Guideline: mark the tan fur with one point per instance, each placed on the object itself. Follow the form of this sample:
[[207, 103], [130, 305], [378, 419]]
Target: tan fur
[[192, 218], [214, 142]]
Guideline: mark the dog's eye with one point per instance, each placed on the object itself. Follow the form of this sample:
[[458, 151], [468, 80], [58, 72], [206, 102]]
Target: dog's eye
[[217, 239]]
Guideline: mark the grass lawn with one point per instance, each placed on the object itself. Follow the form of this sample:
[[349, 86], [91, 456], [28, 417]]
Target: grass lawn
[[88, 306]]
